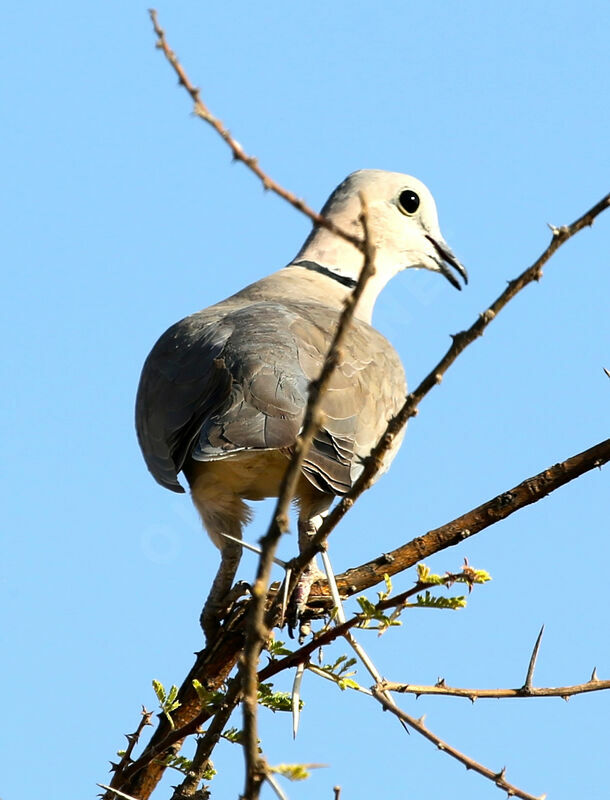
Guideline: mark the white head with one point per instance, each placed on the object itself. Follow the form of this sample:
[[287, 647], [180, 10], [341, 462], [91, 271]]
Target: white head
[[403, 227]]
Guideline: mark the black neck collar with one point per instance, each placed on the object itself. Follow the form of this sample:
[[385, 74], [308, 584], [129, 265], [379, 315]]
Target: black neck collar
[[342, 279]]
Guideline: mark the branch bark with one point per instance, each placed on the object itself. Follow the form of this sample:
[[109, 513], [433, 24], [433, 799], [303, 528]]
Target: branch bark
[[592, 685], [452, 533]]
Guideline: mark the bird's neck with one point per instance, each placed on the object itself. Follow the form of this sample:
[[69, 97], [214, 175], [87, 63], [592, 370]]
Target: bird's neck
[[339, 261]]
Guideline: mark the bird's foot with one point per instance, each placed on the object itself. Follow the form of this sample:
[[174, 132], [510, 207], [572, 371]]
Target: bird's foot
[[216, 610], [297, 614]]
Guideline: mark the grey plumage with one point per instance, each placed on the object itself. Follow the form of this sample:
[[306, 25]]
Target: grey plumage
[[223, 392], [214, 386]]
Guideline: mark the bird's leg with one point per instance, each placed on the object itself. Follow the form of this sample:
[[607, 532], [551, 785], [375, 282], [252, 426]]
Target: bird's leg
[[307, 530], [222, 511], [215, 605], [311, 516]]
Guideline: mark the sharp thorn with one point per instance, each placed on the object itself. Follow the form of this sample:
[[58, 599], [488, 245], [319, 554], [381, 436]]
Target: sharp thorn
[[285, 595], [252, 547], [275, 786], [532, 665], [296, 699], [332, 585]]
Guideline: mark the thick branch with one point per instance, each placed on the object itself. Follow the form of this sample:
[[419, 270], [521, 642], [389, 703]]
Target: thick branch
[[503, 505]]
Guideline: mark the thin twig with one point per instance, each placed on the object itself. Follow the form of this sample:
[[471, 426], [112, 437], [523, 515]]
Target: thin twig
[[132, 740], [418, 725], [328, 676], [257, 629], [206, 744], [460, 342], [441, 688], [203, 112], [172, 742]]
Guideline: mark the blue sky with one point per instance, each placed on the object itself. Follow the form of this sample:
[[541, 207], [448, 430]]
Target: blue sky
[[122, 213]]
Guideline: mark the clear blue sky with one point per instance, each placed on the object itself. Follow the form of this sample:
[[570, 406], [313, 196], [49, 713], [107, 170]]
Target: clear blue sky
[[122, 213]]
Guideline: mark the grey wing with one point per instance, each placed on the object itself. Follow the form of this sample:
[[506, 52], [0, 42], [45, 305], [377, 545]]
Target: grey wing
[[273, 354], [182, 381], [366, 389], [217, 383], [214, 386]]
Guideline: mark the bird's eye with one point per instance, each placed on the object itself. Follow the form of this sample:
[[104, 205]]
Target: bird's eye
[[408, 201]]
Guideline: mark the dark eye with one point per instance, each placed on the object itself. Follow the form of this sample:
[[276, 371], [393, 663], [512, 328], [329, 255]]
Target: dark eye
[[408, 201]]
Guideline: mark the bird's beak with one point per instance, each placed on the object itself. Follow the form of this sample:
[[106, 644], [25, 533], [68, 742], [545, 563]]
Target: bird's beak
[[446, 259]]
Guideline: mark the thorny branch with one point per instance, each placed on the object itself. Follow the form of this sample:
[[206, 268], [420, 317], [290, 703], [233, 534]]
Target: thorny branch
[[460, 342], [452, 533], [330, 634], [592, 685], [257, 629], [133, 739], [418, 725], [217, 659], [203, 112], [142, 775], [527, 690]]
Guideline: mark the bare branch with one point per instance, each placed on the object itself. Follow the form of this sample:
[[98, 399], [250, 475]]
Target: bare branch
[[441, 688], [257, 628], [203, 112], [132, 740], [142, 776], [206, 744], [418, 725], [460, 342]]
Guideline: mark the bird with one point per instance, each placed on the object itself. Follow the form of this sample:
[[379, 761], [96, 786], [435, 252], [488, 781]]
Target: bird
[[222, 394]]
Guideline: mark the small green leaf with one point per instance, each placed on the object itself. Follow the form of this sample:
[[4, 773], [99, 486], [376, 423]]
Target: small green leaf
[[167, 702], [183, 765], [159, 691], [276, 648], [429, 601], [276, 701], [294, 772], [233, 735], [347, 683]]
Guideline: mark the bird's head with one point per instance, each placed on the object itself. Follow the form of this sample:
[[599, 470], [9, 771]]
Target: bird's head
[[402, 224]]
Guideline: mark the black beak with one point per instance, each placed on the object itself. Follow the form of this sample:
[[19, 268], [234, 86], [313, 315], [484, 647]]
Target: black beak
[[447, 259]]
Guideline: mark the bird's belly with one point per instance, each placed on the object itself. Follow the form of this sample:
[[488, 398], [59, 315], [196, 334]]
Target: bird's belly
[[249, 475]]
